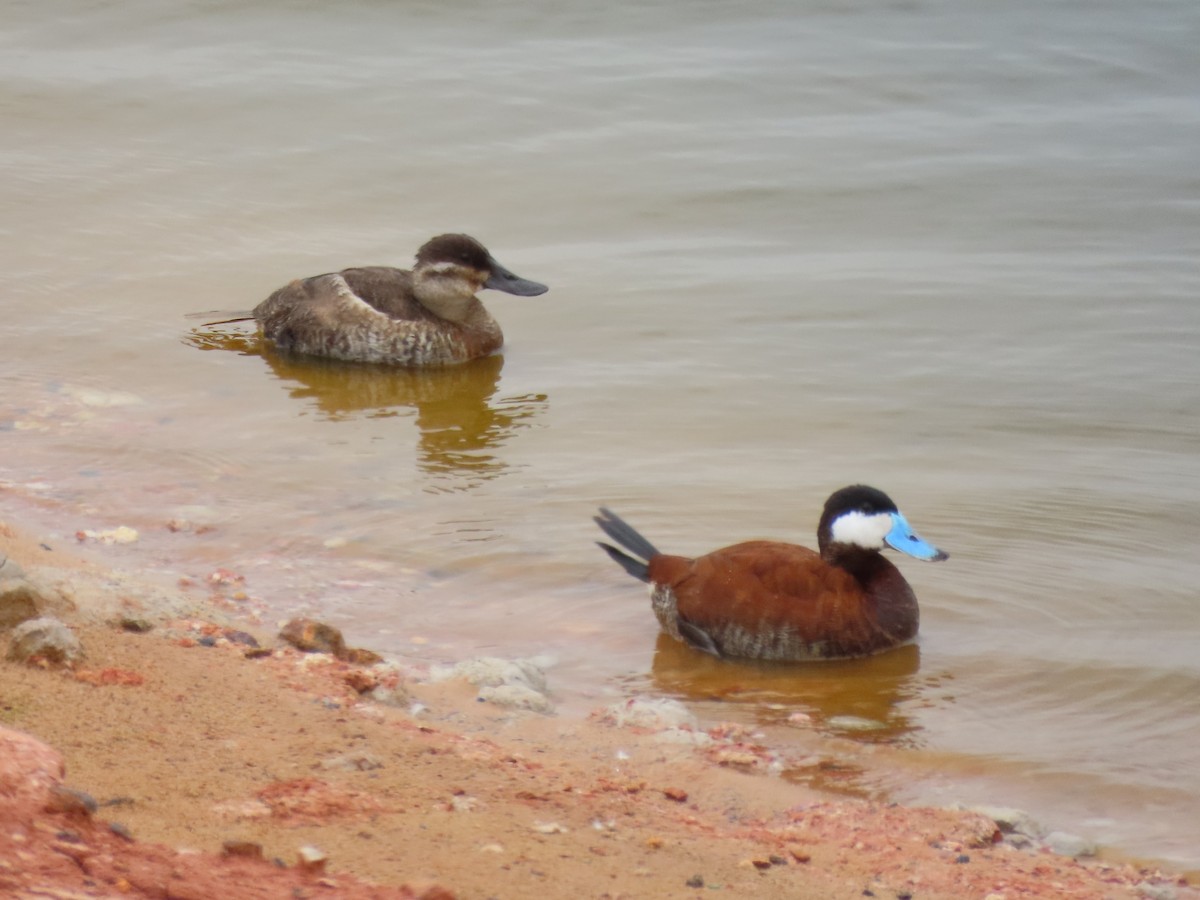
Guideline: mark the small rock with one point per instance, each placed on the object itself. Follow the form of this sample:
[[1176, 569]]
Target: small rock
[[514, 683], [47, 639], [1065, 844], [122, 534], [63, 799], [121, 831], [242, 848], [356, 761], [361, 681], [312, 636], [1152, 891], [799, 854], [19, 601], [652, 713], [549, 828], [360, 657], [677, 794], [1010, 821], [135, 624], [517, 696], [311, 859], [696, 881]]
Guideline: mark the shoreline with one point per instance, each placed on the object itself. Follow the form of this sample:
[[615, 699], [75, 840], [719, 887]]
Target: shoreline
[[424, 782]]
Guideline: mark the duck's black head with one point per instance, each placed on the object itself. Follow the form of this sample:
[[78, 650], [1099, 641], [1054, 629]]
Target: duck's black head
[[867, 518]]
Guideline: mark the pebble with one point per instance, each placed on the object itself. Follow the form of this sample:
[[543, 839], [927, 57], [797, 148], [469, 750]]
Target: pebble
[[355, 761], [1009, 820], [360, 657], [512, 683], [1156, 891], [311, 859], [46, 638], [19, 601], [696, 881], [652, 713], [122, 534], [360, 680], [516, 696], [312, 636], [242, 848], [1065, 844], [63, 799]]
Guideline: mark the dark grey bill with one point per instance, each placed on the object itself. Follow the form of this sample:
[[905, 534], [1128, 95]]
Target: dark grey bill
[[503, 280]]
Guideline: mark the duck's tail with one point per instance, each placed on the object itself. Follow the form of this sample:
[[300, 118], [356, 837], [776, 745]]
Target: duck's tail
[[222, 316], [625, 535]]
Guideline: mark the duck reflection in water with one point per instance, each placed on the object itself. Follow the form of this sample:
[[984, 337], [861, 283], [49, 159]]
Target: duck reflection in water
[[460, 420], [865, 699]]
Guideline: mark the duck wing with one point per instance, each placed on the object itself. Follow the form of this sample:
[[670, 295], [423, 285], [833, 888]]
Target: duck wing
[[764, 599]]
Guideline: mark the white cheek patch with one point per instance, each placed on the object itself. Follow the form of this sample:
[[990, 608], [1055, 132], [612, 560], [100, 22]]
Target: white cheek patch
[[861, 530]]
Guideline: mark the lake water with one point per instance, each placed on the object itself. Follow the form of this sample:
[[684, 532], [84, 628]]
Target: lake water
[[947, 249]]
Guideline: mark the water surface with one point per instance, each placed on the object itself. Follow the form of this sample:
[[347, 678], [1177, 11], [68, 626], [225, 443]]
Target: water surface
[[946, 249]]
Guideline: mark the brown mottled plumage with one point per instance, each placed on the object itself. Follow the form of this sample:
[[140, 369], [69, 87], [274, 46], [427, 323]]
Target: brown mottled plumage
[[425, 317], [770, 600]]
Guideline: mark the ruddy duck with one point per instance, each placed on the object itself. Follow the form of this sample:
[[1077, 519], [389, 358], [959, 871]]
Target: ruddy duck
[[768, 600], [427, 317]]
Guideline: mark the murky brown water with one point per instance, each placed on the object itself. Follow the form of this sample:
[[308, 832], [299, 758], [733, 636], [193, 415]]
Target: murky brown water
[[946, 250]]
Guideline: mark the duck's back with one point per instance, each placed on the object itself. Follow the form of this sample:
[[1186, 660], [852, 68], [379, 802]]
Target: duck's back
[[770, 600], [323, 298], [368, 314]]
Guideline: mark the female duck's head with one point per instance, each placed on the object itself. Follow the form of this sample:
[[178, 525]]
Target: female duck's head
[[452, 268], [866, 518]]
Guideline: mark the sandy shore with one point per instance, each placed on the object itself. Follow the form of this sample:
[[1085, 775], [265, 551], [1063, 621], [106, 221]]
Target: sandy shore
[[379, 781]]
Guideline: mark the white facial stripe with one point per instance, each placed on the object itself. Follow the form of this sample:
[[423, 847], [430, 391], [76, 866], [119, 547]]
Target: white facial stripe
[[861, 530], [444, 268]]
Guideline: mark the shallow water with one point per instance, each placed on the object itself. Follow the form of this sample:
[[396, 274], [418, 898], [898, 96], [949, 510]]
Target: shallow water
[[946, 249]]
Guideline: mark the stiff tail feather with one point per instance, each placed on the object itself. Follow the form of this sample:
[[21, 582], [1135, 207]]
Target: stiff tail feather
[[625, 535], [222, 316]]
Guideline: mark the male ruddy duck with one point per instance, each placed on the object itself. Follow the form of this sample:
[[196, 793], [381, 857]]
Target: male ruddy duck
[[427, 317], [769, 600]]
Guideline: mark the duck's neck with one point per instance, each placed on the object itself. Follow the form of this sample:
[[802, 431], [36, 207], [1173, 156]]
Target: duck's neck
[[896, 604]]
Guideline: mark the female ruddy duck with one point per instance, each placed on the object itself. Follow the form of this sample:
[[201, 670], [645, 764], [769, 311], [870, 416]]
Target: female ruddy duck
[[768, 600], [427, 317]]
